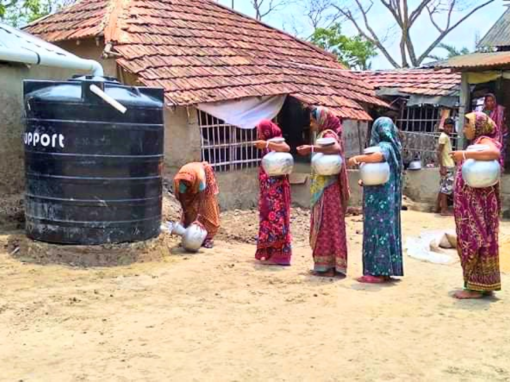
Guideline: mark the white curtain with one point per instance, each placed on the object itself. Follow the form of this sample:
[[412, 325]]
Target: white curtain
[[245, 113]]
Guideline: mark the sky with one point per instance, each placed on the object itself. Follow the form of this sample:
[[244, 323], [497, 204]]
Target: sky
[[423, 32]]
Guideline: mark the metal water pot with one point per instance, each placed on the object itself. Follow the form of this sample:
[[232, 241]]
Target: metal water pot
[[323, 164], [480, 174], [277, 163], [326, 164], [415, 165], [192, 237], [374, 174]]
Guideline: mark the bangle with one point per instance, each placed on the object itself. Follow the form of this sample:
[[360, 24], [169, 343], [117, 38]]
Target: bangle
[[464, 155], [267, 144], [355, 161], [312, 147]]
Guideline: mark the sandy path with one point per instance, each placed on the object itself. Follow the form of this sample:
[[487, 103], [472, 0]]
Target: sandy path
[[217, 316]]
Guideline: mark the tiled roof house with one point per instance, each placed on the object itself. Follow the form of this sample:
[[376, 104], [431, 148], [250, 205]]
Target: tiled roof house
[[423, 97], [423, 82], [200, 51], [203, 53]]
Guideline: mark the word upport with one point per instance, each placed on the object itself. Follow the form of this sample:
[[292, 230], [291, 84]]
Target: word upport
[[45, 140]]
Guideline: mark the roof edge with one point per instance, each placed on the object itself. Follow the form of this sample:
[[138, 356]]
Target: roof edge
[[101, 33], [112, 30], [480, 43]]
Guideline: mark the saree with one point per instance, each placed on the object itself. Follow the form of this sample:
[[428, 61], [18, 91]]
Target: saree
[[501, 133], [382, 234], [274, 238], [476, 212], [196, 189], [330, 195]]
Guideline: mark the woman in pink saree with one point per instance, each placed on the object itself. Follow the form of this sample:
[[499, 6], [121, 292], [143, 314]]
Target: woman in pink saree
[[477, 214], [274, 239], [496, 112], [330, 195]]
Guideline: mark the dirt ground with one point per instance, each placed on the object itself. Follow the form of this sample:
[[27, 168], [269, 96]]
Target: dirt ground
[[219, 316]]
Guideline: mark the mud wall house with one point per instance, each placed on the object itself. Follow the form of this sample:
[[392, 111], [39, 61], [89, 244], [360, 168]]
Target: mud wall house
[[12, 75], [484, 73], [218, 68]]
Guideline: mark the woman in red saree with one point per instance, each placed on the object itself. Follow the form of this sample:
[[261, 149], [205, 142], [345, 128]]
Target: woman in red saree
[[330, 195], [477, 214], [496, 112], [196, 189], [274, 239]]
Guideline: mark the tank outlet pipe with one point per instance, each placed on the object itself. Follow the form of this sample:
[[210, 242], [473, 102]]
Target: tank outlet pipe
[[105, 97], [26, 56]]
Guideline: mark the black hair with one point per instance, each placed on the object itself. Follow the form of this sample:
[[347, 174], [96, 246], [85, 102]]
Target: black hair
[[449, 121]]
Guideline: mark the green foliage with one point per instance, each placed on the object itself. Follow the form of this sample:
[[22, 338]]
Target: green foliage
[[451, 51], [21, 12], [353, 52]]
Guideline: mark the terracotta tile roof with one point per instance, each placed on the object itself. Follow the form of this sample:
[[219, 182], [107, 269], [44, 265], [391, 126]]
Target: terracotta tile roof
[[415, 81], [85, 19], [199, 51]]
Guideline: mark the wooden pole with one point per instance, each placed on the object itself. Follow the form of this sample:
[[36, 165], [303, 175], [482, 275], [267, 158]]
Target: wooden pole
[[464, 108]]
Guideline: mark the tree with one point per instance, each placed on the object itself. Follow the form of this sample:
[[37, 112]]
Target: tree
[[353, 52], [20, 12], [318, 12], [264, 8], [451, 51], [441, 14]]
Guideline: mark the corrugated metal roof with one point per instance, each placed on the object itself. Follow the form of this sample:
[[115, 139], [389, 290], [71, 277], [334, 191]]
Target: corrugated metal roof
[[499, 34], [418, 81], [13, 39], [478, 60], [200, 51]]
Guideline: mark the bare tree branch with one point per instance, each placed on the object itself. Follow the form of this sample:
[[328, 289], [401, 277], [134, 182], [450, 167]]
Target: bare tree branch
[[431, 12], [317, 12], [264, 8], [405, 18], [390, 6], [451, 28], [371, 35], [417, 12]]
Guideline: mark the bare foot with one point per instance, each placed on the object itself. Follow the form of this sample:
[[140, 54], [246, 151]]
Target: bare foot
[[330, 273], [371, 280], [468, 295]]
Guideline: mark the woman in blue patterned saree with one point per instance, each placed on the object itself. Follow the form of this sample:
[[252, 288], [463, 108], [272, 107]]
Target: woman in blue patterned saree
[[382, 236]]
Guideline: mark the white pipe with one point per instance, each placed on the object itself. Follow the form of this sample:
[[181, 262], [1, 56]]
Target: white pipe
[[101, 94], [26, 56]]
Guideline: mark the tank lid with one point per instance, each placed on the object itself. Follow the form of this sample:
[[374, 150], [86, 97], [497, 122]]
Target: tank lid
[[77, 90], [79, 77]]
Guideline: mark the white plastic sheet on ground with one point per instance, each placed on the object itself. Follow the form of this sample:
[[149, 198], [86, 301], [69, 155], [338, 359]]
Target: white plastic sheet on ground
[[426, 248], [245, 113]]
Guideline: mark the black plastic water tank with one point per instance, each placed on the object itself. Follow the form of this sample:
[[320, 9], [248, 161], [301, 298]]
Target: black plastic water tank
[[93, 174]]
